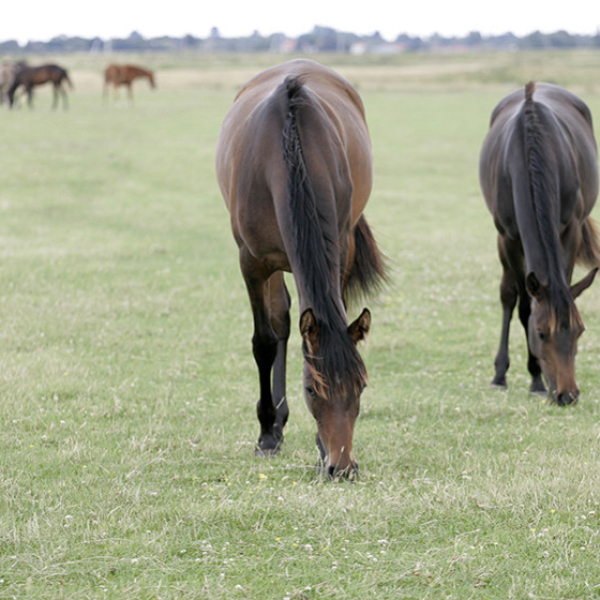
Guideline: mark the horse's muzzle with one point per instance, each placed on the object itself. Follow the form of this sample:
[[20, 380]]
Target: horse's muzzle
[[349, 473], [566, 398]]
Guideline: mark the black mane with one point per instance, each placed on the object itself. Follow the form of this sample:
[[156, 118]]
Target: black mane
[[541, 166], [317, 256]]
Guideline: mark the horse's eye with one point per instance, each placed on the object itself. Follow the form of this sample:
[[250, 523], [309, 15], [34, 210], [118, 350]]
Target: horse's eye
[[543, 337], [311, 391]]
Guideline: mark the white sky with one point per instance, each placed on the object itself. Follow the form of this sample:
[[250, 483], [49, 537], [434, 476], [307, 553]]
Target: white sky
[[41, 20]]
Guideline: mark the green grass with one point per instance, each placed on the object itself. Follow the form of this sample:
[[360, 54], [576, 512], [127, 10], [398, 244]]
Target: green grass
[[128, 388]]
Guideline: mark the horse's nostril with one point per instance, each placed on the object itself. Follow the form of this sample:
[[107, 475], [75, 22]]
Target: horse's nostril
[[566, 398], [350, 472]]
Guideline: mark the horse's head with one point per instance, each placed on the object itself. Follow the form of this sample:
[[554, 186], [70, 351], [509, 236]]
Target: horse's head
[[553, 334], [334, 378]]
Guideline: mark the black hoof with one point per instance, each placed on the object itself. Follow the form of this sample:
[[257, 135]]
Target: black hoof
[[268, 445], [538, 387], [499, 383], [498, 386]]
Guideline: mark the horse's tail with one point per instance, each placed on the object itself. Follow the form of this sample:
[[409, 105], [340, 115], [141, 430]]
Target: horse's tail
[[368, 272], [67, 79], [588, 252]]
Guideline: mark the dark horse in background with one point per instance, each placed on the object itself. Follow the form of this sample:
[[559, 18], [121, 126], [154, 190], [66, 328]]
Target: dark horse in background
[[29, 77], [295, 169], [117, 75], [539, 176]]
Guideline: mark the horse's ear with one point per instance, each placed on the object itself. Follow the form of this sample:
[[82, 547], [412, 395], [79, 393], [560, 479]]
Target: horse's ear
[[358, 329], [310, 330], [584, 284], [535, 288]]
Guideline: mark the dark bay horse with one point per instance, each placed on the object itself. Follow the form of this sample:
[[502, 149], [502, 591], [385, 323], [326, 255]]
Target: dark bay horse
[[29, 77], [295, 169], [539, 176], [117, 75]]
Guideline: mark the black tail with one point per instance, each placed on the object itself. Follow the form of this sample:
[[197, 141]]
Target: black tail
[[368, 273], [315, 253], [66, 78], [588, 252]]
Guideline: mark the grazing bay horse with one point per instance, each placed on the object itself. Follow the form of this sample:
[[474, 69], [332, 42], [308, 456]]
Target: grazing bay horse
[[295, 169], [29, 77], [539, 176], [125, 75]]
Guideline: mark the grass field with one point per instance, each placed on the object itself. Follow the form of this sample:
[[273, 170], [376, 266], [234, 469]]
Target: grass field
[[128, 388]]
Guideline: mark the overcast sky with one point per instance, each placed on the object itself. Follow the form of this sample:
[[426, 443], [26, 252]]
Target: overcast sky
[[41, 20]]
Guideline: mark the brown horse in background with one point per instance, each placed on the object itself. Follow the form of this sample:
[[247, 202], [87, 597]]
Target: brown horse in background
[[117, 75], [539, 177], [29, 77], [295, 169]]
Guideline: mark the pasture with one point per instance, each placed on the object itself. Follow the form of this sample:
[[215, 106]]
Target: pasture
[[128, 387]]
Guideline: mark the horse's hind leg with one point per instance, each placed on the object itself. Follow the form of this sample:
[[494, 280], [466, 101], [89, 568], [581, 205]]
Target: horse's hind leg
[[264, 346], [280, 303]]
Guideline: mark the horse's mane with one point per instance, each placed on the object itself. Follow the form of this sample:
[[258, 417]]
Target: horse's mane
[[545, 194], [316, 252]]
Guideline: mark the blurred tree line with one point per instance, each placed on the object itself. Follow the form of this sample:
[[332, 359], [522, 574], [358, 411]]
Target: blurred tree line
[[321, 39]]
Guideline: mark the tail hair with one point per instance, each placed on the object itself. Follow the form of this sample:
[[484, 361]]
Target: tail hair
[[369, 271], [588, 252]]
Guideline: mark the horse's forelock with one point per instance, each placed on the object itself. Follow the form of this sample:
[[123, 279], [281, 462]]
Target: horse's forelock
[[336, 367]]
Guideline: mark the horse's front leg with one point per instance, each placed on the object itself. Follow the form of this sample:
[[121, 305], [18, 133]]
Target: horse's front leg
[[280, 302], [508, 299], [533, 364], [264, 347]]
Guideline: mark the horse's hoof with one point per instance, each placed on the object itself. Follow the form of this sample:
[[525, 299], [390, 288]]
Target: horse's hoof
[[538, 388], [498, 386], [267, 446], [266, 453]]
